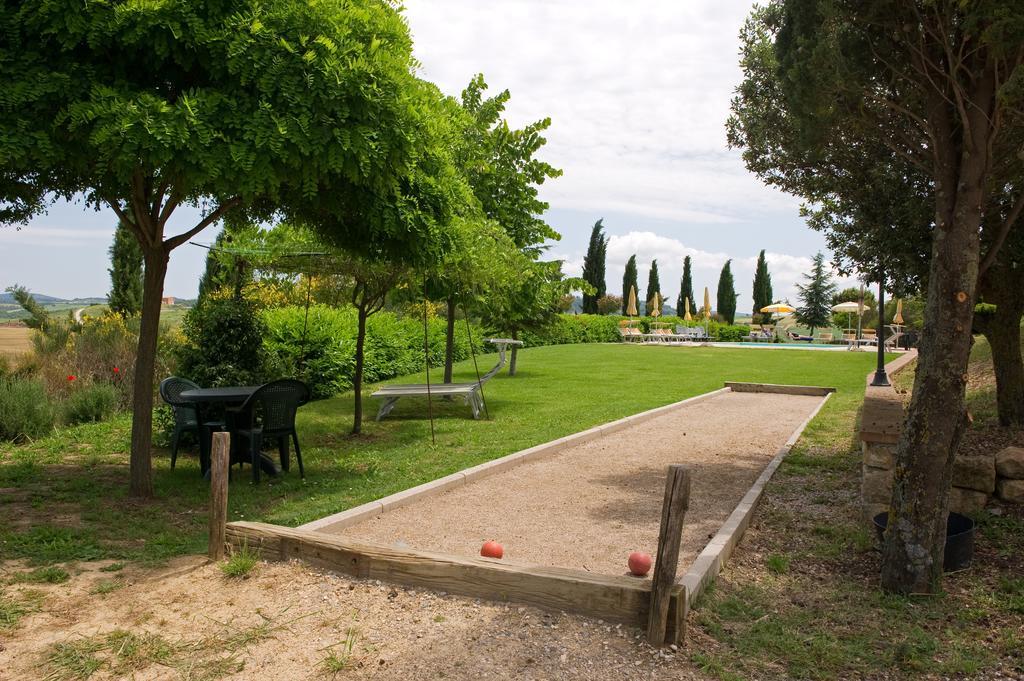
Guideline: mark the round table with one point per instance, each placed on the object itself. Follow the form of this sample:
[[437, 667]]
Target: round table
[[230, 395]]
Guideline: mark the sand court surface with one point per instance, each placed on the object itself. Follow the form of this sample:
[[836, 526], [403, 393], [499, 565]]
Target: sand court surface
[[588, 506]]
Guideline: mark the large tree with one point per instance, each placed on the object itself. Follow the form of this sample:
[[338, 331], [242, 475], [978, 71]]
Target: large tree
[[125, 297], [227, 106], [593, 268], [726, 294], [629, 283], [815, 309], [501, 166], [763, 294], [685, 288], [893, 117], [653, 286]]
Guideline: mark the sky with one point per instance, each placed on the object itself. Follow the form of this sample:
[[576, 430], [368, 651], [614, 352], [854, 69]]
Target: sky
[[638, 94]]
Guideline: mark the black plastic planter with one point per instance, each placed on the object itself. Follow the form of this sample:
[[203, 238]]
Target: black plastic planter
[[959, 540]]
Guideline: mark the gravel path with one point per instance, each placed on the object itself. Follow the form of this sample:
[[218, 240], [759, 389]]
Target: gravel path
[[588, 506]]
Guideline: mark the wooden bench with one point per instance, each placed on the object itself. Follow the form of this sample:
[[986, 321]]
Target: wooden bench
[[470, 392]]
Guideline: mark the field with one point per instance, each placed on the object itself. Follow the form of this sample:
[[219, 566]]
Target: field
[[799, 598], [14, 341]]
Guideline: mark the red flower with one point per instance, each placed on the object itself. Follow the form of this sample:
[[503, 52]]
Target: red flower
[[71, 378], [116, 370]]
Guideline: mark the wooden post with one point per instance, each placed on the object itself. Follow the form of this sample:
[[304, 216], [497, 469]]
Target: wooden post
[[677, 499], [219, 458]]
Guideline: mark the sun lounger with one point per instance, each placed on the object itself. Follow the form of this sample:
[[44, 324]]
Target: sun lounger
[[470, 392]]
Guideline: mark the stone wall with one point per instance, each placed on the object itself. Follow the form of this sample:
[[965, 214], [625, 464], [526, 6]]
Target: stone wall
[[976, 478]]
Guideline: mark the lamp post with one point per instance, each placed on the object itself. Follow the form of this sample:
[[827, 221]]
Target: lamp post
[[880, 378]]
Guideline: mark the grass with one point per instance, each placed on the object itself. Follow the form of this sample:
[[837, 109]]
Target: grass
[[50, 574], [801, 597], [14, 341], [557, 392], [240, 563], [340, 656]]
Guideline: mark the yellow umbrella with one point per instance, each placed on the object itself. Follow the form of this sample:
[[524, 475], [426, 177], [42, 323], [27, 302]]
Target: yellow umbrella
[[656, 305], [778, 308], [631, 306], [898, 317], [686, 304], [707, 304]]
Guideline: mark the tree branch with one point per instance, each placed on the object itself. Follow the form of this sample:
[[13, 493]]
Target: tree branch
[[223, 208], [1004, 230]]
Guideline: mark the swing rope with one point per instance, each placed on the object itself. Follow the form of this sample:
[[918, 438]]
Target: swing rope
[[472, 351], [426, 362]]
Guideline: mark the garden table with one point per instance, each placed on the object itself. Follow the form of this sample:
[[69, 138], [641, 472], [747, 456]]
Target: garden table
[[228, 396]]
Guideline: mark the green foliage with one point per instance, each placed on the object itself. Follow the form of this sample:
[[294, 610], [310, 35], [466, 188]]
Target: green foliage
[[26, 412], [224, 344], [686, 289], [126, 263], [815, 309], [582, 328], [727, 333], [763, 295], [223, 270], [594, 268], [240, 563], [325, 356], [609, 304], [38, 316], [500, 166], [90, 404], [727, 294], [629, 282], [653, 285]]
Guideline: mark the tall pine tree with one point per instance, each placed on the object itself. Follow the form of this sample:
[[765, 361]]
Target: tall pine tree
[[727, 294], [593, 268], [125, 297], [653, 286], [628, 282], [685, 289], [762, 286], [816, 296]]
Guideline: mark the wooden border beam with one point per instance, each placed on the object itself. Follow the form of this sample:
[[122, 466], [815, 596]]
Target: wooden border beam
[[609, 597], [812, 390]]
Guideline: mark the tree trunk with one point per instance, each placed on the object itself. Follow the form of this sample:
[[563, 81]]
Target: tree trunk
[[512, 361], [449, 342], [1003, 334], [1003, 286], [141, 468], [357, 379]]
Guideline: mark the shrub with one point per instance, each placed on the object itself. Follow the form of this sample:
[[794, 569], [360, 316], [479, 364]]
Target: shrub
[[90, 403], [224, 344], [320, 349], [728, 333], [582, 328], [25, 410]]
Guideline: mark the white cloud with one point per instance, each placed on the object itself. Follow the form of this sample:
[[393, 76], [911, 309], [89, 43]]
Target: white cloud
[[54, 237], [638, 94]]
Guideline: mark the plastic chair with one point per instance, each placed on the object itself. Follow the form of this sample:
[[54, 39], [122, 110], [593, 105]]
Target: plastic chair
[[270, 413], [186, 416]]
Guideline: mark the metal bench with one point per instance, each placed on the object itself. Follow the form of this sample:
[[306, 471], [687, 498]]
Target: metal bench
[[470, 392]]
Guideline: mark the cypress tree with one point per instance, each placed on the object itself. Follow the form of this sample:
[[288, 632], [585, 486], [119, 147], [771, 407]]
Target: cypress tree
[[629, 281], [727, 294], [653, 285], [816, 296], [685, 289], [125, 297], [762, 286], [593, 268]]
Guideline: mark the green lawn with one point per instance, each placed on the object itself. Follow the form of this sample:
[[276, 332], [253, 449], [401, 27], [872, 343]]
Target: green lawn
[[67, 493]]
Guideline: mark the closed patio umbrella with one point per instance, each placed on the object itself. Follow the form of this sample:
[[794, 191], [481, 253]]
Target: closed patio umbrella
[[631, 305], [707, 309], [656, 305], [686, 304], [898, 317]]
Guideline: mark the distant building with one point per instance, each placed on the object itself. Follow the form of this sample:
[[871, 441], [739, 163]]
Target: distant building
[[167, 300]]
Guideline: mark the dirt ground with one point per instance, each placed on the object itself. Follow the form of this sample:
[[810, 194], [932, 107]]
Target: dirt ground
[[287, 622], [588, 506]]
